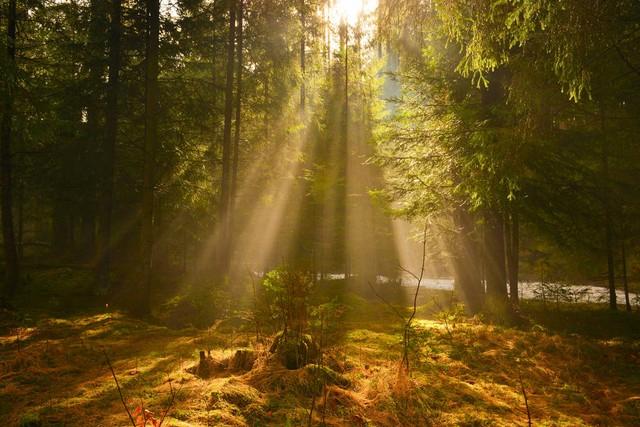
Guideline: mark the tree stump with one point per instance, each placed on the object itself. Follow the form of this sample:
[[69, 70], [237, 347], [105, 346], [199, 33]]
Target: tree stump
[[207, 365], [294, 351], [242, 360]]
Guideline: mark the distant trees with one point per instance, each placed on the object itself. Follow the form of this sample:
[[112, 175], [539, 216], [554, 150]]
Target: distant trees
[[115, 139], [127, 128]]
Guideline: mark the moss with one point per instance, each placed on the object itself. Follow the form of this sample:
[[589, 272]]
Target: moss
[[219, 417], [471, 420], [294, 352], [328, 375], [235, 393], [255, 413], [466, 380], [631, 407], [30, 419], [181, 415]]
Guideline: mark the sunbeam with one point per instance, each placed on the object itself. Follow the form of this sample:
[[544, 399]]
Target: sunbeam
[[350, 11]]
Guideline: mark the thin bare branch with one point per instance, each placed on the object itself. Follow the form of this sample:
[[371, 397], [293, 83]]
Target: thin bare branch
[[174, 393], [387, 303], [424, 257], [526, 400], [115, 378]]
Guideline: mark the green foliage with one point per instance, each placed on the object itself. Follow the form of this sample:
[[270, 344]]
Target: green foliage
[[287, 294], [31, 419], [59, 122], [326, 320], [451, 316], [512, 106], [198, 305]]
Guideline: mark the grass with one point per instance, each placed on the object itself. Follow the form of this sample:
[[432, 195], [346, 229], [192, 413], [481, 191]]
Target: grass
[[579, 366]]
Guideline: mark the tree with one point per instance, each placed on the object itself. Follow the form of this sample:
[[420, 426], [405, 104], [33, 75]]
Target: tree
[[522, 126], [225, 185], [109, 148], [150, 143], [238, 107], [94, 94], [6, 177], [303, 54]]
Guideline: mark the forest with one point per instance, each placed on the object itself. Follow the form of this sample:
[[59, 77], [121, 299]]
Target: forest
[[320, 213]]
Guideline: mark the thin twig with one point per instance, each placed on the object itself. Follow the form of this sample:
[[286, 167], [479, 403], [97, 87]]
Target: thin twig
[[174, 393], [143, 413], [313, 404], [424, 257], [409, 272], [407, 326], [325, 394], [626, 60], [381, 298], [115, 378], [445, 317]]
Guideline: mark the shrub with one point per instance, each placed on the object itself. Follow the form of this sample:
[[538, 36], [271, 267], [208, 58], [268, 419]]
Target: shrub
[[199, 306], [287, 295]]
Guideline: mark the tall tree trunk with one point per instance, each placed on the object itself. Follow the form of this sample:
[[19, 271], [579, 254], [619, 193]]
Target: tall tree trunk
[[606, 200], [20, 237], [613, 303], [238, 122], [327, 38], [346, 80], [96, 66], [88, 231], [466, 263], [109, 148], [494, 248], [303, 47], [512, 248], [225, 196], [625, 280], [8, 234], [495, 256], [18, 182], [60, 225], [150, 144], [342, 196]]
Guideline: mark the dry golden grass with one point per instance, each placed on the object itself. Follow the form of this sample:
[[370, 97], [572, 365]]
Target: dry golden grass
[[466, 374]]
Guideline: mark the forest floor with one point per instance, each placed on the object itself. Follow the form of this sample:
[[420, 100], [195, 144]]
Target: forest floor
[[578, 365]]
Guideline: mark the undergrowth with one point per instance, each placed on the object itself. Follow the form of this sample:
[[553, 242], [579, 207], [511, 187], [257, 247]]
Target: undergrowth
[[465, 372]]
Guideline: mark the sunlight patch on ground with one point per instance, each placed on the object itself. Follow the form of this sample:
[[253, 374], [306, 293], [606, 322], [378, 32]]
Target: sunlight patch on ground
[[464, 375]]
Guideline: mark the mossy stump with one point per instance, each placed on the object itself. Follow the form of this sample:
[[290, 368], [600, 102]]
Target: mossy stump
[[294, 352], [206, 366], [242, 360]]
